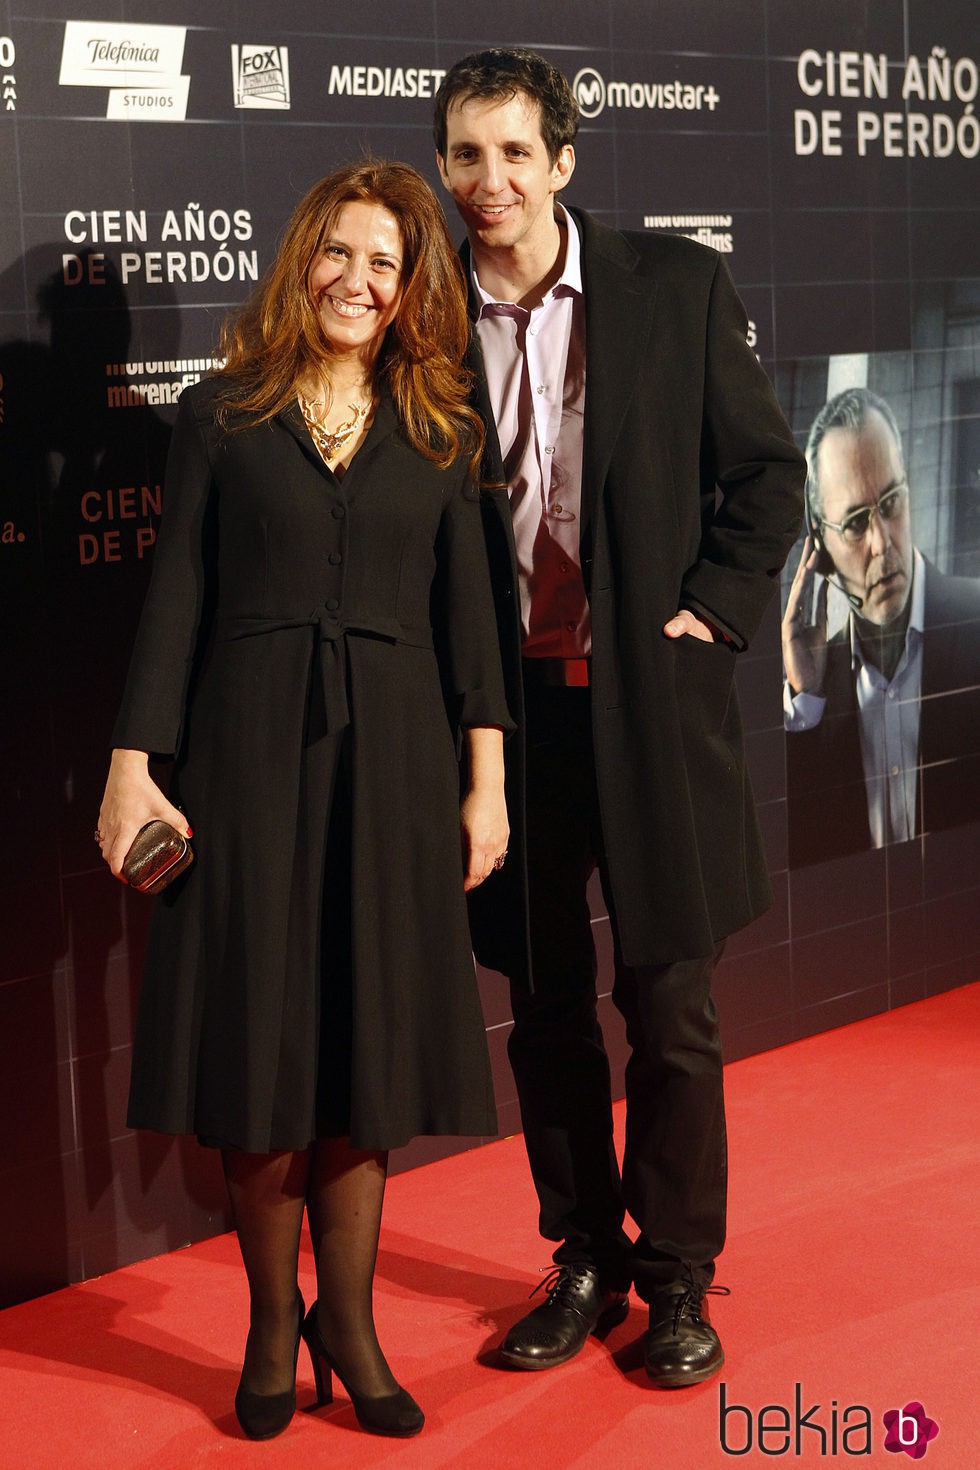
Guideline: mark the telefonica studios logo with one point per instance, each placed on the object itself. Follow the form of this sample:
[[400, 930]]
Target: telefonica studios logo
[[778, 1429], [140, 64]]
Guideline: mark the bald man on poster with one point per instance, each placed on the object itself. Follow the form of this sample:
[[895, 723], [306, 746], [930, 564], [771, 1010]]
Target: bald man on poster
[[883, 716]]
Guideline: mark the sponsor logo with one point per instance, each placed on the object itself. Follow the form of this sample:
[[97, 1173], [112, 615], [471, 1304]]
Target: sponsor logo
[[590, 91], [707, 229], [593, 94], [260, 76], [167, 103], [140, 64], [133, 391], [384, 81]]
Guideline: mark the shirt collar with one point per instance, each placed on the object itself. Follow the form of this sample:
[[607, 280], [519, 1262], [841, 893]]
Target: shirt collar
[[570, 279], [917, 611]]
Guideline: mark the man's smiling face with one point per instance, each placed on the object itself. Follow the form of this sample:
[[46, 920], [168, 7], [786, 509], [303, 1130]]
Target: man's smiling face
[[498, 171]]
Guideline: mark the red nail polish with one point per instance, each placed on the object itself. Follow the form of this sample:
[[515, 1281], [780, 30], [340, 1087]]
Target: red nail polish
[[190, 831]]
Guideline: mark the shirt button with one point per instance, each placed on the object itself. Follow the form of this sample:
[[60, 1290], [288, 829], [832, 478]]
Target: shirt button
[[894, 770], [335, 558], [558, 508], [570, 627], [540, 388], [563, 566], [549, 449], [891, 694], [331, 604], [338, 512]]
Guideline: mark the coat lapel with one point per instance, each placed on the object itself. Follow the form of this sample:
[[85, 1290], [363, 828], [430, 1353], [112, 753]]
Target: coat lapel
[[619, 310], [492, 465]]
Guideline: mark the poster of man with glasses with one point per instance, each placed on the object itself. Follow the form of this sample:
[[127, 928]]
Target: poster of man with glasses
[[882, 711]]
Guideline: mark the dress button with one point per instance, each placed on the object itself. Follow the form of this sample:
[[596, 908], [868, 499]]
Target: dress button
[[331, 604], [338, 512], [570, 627], [563, 566], [335, 558]]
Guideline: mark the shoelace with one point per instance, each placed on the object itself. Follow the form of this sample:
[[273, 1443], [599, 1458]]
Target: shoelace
[[554, 1284], [691, 1298]]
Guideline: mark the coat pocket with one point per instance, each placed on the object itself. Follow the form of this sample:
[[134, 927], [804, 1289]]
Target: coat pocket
[[704, 681]]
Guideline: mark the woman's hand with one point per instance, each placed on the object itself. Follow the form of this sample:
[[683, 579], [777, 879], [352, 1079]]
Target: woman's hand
[[484, 826], [131, 799], [483, 812]]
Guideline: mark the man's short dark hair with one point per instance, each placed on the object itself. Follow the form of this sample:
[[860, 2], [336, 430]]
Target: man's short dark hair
[[498, 75], [847, 410]]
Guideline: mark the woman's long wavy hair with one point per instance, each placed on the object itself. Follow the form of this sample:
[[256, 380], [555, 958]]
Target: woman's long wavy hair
[[276, 339]]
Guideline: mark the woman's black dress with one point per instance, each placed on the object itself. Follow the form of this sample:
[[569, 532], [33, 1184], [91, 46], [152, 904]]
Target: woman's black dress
[[308, 649]]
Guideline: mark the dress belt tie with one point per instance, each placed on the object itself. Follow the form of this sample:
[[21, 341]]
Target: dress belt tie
[[329, 648]]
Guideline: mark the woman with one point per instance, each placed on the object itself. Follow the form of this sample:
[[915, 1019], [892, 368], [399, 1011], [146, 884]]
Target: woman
[[317, 628]]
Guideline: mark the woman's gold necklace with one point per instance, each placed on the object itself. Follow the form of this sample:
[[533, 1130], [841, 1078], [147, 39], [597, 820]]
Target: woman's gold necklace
[[326, 442]]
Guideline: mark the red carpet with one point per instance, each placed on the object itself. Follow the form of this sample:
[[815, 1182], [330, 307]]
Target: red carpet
[[855, 1163]]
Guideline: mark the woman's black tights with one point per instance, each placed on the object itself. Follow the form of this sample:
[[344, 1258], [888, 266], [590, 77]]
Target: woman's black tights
[[342, 1190]]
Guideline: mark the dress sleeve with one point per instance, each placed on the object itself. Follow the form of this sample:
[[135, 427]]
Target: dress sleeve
[[748, 451], [152, 713], [464, 621]]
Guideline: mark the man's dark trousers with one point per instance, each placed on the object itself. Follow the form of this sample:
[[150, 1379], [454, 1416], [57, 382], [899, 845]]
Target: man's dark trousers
[[675, 1161]]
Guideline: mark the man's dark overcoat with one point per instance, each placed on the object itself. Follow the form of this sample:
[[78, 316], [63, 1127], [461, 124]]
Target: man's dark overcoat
[[290, 615], [677, 409], [827, 799]]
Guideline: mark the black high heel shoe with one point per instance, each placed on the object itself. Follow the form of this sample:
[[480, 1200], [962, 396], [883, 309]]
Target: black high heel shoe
[[264, 1415], [395, 1414]]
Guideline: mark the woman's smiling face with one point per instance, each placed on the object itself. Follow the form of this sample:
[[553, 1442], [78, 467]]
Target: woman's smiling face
[[355, 281]]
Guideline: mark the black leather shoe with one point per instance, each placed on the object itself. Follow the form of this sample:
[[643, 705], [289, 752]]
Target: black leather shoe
[[554, 1332], [681, 1346]]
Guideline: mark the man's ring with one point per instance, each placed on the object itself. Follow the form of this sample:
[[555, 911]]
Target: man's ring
[[498, 861], [97, 836]]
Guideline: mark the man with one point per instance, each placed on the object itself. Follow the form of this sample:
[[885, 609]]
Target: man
[[884, 717], [620, 396]]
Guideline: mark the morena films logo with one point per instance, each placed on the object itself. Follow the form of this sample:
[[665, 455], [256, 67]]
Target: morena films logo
[[825, 1431]]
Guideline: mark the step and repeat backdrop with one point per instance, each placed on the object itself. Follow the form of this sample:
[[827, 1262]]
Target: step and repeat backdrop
[[149, 156]]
